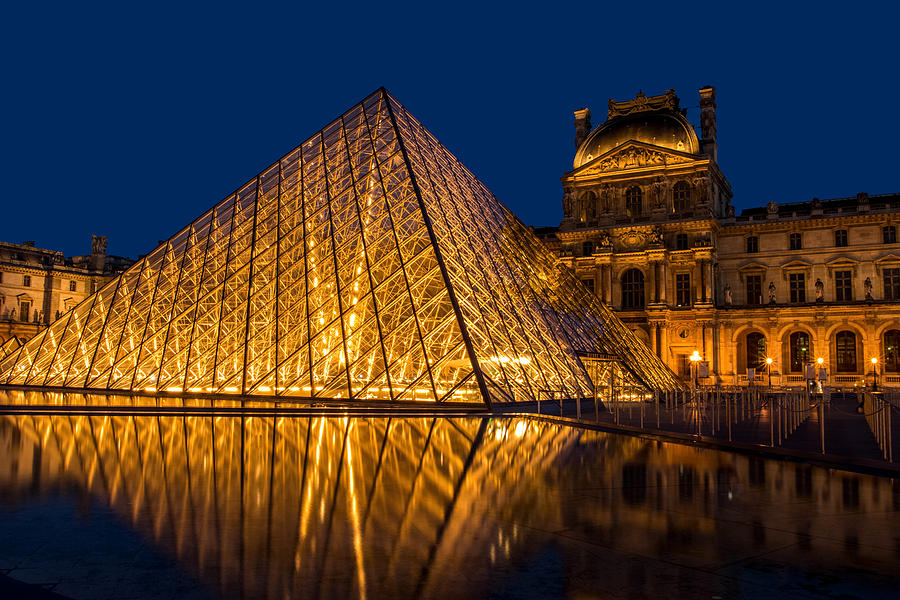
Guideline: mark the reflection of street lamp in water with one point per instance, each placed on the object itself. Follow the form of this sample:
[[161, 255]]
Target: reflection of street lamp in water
[[874, 375], [769, 369]]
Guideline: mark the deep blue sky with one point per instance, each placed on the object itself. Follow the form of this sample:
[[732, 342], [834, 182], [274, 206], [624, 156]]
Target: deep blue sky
[[130, 120]]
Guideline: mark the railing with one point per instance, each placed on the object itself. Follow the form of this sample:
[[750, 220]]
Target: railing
[[877, 409]]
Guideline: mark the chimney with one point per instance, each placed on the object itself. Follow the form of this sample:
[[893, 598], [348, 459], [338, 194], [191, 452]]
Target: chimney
[[582, 126], [708, 122]]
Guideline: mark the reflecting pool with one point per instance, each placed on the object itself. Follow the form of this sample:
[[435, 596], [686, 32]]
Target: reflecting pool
[[278, 506]]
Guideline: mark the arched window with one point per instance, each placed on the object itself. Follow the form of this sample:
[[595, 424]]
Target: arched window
[[756, 350], [633, 201], [632, 289], [801, 350], [681, 195], [892, 351], [845, 343]]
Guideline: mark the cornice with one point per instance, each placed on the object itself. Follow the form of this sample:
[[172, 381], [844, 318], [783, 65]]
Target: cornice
[[809, 221], [582, 234]]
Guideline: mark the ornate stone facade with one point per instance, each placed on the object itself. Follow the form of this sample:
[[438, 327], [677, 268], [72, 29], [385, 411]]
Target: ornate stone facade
[[648, 225], [38, 285]]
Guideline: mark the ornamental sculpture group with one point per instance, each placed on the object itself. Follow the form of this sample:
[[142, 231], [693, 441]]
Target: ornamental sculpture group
[[820, 291]]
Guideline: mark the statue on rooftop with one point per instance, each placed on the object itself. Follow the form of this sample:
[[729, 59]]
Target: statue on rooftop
[[98, 244]]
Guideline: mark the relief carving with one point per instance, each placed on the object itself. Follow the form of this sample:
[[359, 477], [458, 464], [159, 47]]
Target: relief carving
[[642, 103], [632, 158]]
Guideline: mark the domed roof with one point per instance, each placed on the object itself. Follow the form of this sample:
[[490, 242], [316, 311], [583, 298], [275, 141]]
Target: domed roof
[[667, 129]]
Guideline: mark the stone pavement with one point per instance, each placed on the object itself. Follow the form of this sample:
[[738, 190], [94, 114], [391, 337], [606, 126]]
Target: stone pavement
[[847, 435]]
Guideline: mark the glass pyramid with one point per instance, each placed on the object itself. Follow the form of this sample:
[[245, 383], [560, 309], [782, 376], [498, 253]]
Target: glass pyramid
[[366, 264]]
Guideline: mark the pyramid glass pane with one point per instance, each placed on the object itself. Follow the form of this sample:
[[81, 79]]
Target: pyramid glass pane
[[368, 264]]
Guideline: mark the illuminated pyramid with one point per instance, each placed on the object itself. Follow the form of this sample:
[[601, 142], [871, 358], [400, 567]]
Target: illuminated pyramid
[[367, 264]]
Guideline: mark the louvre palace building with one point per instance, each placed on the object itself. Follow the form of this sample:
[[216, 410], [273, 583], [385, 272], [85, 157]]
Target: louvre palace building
[[649, 226], [37, 285]]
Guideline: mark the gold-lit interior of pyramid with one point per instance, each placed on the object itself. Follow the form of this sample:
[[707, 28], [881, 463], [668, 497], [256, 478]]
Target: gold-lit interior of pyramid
[[366, 264]]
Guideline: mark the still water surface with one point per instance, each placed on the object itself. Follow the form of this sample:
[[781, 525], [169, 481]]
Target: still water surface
[[250, 506]]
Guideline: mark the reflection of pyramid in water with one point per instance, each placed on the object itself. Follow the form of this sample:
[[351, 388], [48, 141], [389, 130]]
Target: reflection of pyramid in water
[[368, 263]]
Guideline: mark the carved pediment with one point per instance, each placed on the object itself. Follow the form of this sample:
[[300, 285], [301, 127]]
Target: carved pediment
[[638, 238], [634, 155]]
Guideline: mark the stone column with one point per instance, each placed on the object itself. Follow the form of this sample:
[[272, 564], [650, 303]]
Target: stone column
[[701, 284], [697, 282], [662, 282], [608, 289], [653, 338], [664, 343], [709, 277], [715, 348], [652, 280]]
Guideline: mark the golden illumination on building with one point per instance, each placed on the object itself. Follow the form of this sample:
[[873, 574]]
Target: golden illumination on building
[[366, 264]]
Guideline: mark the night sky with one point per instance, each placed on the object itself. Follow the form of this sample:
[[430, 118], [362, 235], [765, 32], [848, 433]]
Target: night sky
[[131, 120]]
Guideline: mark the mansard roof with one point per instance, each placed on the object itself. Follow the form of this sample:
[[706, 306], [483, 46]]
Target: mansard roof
[[826, 208]]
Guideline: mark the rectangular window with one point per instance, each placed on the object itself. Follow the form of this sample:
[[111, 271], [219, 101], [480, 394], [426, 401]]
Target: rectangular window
[[796, 241], [72, 286], [843, 286], [26, 280], [754, 289], [840, 238], [24, 311], [681, 241], [798, 287], [752, 244], [588, 283], [683, 289], [889, 234], [891, 284]]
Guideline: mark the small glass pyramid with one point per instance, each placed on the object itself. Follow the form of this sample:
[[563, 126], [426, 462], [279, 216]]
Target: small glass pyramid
[[367, 264]]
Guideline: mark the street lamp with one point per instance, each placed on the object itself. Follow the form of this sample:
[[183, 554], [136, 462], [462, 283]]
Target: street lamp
[[769, 369], [695, 358], [820, 361], [874, 375]]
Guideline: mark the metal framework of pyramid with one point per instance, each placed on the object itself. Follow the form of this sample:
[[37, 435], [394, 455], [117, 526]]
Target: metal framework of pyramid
[[366, 264]]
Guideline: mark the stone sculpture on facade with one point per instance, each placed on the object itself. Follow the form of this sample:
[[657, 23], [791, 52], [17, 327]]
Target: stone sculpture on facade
[[867, 284], [820, 290], [98, 244], [771, 292], [728, 298]]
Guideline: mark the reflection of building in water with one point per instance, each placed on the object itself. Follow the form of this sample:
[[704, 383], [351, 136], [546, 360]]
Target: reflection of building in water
[[649, 226], [261, 506]]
